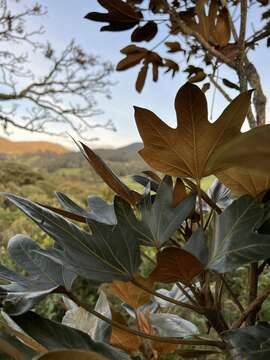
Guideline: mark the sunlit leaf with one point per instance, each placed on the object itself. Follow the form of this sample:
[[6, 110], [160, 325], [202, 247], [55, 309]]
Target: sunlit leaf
[[185, 152]]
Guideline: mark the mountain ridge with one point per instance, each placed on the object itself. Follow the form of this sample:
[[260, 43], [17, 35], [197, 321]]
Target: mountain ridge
[[8, 147]]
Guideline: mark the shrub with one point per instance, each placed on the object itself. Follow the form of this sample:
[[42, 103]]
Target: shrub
[[164, 264]]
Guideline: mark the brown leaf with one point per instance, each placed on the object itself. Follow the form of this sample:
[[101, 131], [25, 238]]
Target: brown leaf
[[109, 177], [244, 182], [179, 192], [65, 213], [157, 6], [205, 87], [187, 150], [199, 76], [173, 46], [175, 264], [222, 31], [71, 354], [141, 78], [152, 175], [125, 340], [130, 61], [145, 33], [171, 65], [120, 15], [130, 293]]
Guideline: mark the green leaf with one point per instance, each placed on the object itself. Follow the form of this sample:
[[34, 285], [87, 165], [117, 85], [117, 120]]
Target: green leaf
[[44, 276], [251, 342], [160, 220], [108, 253], [54, 336], [236, 239], [9, 345], [99, 210], [197, 246]]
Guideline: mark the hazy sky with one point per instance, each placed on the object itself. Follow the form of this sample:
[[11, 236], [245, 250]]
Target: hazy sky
[[65, 20]]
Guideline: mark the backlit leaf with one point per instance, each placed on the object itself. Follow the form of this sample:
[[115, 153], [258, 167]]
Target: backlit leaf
[[184, 151], [175, 264]]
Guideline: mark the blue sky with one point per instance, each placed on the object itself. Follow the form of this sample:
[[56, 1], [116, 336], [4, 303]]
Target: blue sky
[[65, 20]]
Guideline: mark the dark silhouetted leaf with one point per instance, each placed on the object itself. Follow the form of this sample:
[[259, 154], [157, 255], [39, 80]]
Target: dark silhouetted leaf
[[141, 78], [173, 46], [230, 84], [120, 16], [145, 33]]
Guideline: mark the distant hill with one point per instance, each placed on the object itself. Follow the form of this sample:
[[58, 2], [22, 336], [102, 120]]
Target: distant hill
[[8, 147], [125, 153]]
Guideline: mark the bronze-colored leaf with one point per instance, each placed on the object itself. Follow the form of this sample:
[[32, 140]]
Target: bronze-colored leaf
[[174, 46], [175, 264], [65, 213], [157, 6], [141, 78], [71, 354], [171, 66], [152, 175], [130, 293], [125, 340], [109, 177], [244, 182], [189, 149], [145, 33], [179, 192], [222, 31], [130, 61]]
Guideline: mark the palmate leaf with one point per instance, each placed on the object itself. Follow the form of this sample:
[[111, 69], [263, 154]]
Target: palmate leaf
[[55, 336], [236, 240], [197, 148], [160, 220], [244, 182], [108, 253], [44, 276], [251, 343], [99, 211]]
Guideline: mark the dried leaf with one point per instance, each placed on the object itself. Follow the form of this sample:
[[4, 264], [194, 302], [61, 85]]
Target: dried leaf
[[179, 192], [222, 31], [120, 16], [125, 340], [141, 78], [145, 33], [193, 148], [109, 177], [130, 293], [244, 182], [175, 264], [173, 46]]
